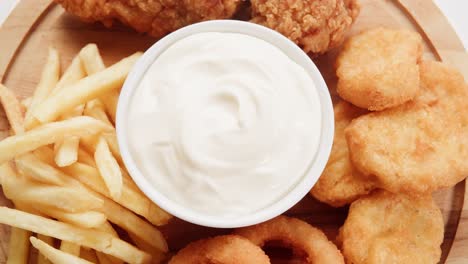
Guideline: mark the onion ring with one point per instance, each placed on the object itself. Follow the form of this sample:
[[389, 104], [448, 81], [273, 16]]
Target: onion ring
[[229, 249], [297, 234]]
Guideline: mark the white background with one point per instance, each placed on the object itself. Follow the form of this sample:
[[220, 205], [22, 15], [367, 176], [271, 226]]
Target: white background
[[455, 10]]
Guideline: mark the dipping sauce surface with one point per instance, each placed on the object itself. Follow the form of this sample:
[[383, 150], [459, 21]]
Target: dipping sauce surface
[[224, 124]]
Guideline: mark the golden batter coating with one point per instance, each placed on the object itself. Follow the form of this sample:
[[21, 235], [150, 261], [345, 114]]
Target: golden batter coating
[[378, 68], [155, 17], [315, 25], [386, 228], [341, 183], [421, 146]]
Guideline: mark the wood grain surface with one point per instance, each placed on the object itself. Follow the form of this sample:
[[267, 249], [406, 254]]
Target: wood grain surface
[[37, 24]]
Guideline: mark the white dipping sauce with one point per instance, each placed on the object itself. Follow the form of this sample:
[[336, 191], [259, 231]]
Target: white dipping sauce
[[224, 124]]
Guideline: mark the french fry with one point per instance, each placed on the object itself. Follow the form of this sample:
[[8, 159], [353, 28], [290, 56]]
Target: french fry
[[90, 177], [58, 192], [115, 213], [108, 168], [92, 61], [107, 227], [18, 250], [49, 78], [41, 259], [70, 248], [157, 255], [45, 154], [134, 224], [106, 259], [112, 259], [88, 88], [77, 111], [27, 208], [86, 158], [26, 103], [128, 180], [89, 255], [49, 133], [12, 109], [29, 165], [111, 139], [40, 165], [65, 198], [96, 240], [90, 219], [90, 142], [67, 151], [95, 109], [110, 102], [68, 199], [72, 74], [55, 255], [131, 198], [127, 220], [157, 215], [103, 258]]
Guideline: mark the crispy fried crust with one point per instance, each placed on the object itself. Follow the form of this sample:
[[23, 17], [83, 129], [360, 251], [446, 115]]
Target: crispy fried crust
[[377, 69], [340, 183], [229, 249], [156, 17], [297, 234], [392, 228], [420, 146], [315, 25]]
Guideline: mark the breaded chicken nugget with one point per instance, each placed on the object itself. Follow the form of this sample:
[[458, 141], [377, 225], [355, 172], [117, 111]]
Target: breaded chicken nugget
[[340, 183], [420, 146], [315, 25], [391, 228], [378, 68]]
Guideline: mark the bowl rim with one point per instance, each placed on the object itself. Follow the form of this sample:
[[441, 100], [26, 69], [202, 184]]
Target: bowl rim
[[297, 192]]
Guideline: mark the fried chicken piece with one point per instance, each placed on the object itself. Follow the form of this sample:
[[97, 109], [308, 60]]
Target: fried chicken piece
[[420, 146], [156, 17], [389, 228], [315, 25], [378, 68], [341, 183]]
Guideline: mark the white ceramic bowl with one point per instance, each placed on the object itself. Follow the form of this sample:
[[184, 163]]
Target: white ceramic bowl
[[290, 49]]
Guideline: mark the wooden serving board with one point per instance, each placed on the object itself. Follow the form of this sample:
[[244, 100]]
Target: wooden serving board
[[36, 25]]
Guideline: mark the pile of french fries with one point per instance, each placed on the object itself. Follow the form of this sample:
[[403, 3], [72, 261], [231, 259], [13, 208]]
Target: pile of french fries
[[61, 167]]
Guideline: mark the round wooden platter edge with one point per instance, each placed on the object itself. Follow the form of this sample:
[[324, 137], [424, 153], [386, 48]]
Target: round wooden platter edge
[[427, 18]]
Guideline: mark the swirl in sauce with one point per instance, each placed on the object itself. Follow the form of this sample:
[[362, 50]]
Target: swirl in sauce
[[224, 124]]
